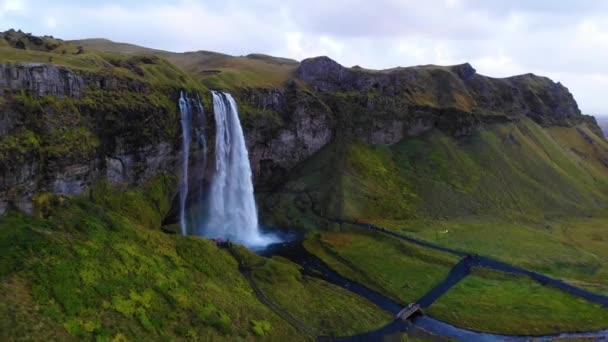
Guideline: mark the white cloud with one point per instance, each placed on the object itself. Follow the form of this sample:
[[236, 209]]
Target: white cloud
[[12, 5], [8, 6], [567, 41]]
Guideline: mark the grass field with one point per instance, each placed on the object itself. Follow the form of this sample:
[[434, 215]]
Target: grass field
[[485, 301], [494, 302], [400, 270], [572, 249]]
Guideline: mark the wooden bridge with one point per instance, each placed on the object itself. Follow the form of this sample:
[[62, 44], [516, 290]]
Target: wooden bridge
[[409, 311]]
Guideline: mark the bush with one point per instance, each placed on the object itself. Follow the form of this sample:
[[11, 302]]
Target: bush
[[260, 328]]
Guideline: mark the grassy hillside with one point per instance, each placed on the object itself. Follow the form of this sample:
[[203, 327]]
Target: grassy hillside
[[528, 195], [142, 65], [325, 308], [97, 267], [516, 171], [214, 70]]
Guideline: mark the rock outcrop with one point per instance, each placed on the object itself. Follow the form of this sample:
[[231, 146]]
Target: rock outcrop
[[41, 80], [457, 88], [300, 126]]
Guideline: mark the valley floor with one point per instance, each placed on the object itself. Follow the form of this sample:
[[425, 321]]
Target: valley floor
[[487, 300]]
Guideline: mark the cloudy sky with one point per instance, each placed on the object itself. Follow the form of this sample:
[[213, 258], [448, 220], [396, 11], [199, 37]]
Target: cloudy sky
[[565, 40]]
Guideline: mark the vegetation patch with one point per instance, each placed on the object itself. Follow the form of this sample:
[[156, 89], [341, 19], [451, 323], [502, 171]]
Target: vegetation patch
[[572, 249], [400, 270], [515, 305], [326, 308]]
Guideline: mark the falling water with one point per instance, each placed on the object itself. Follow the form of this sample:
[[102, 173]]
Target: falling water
[[202, 141], [196, 209], [186, 113], [232, 210]]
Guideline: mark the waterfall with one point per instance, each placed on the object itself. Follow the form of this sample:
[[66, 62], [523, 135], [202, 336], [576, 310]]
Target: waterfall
[[186, 118], [232, 210]]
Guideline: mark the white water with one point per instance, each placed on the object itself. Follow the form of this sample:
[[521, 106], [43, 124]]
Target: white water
[[202, 137], [232, 210], [186, 118], [196, 209]]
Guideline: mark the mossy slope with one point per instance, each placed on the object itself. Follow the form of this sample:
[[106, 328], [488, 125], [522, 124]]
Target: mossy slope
[[517, 171], [93, 268]]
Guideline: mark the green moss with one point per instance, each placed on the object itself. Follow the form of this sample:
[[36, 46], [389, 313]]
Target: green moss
[[72, 143], [261, 328], [19, 238], [373, 186], [18, 147], [139, 119]]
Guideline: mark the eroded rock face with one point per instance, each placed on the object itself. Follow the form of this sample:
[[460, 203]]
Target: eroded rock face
[[456, 87], [41, 79], [58, 81], [305, 127], [118, 158]]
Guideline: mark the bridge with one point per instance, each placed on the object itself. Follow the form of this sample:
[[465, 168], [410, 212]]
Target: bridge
[[409, 311]]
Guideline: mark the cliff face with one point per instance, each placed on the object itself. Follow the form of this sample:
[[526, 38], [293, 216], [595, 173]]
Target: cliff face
[[457, 88], [326, 102], [282, 129], [63, 129]]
